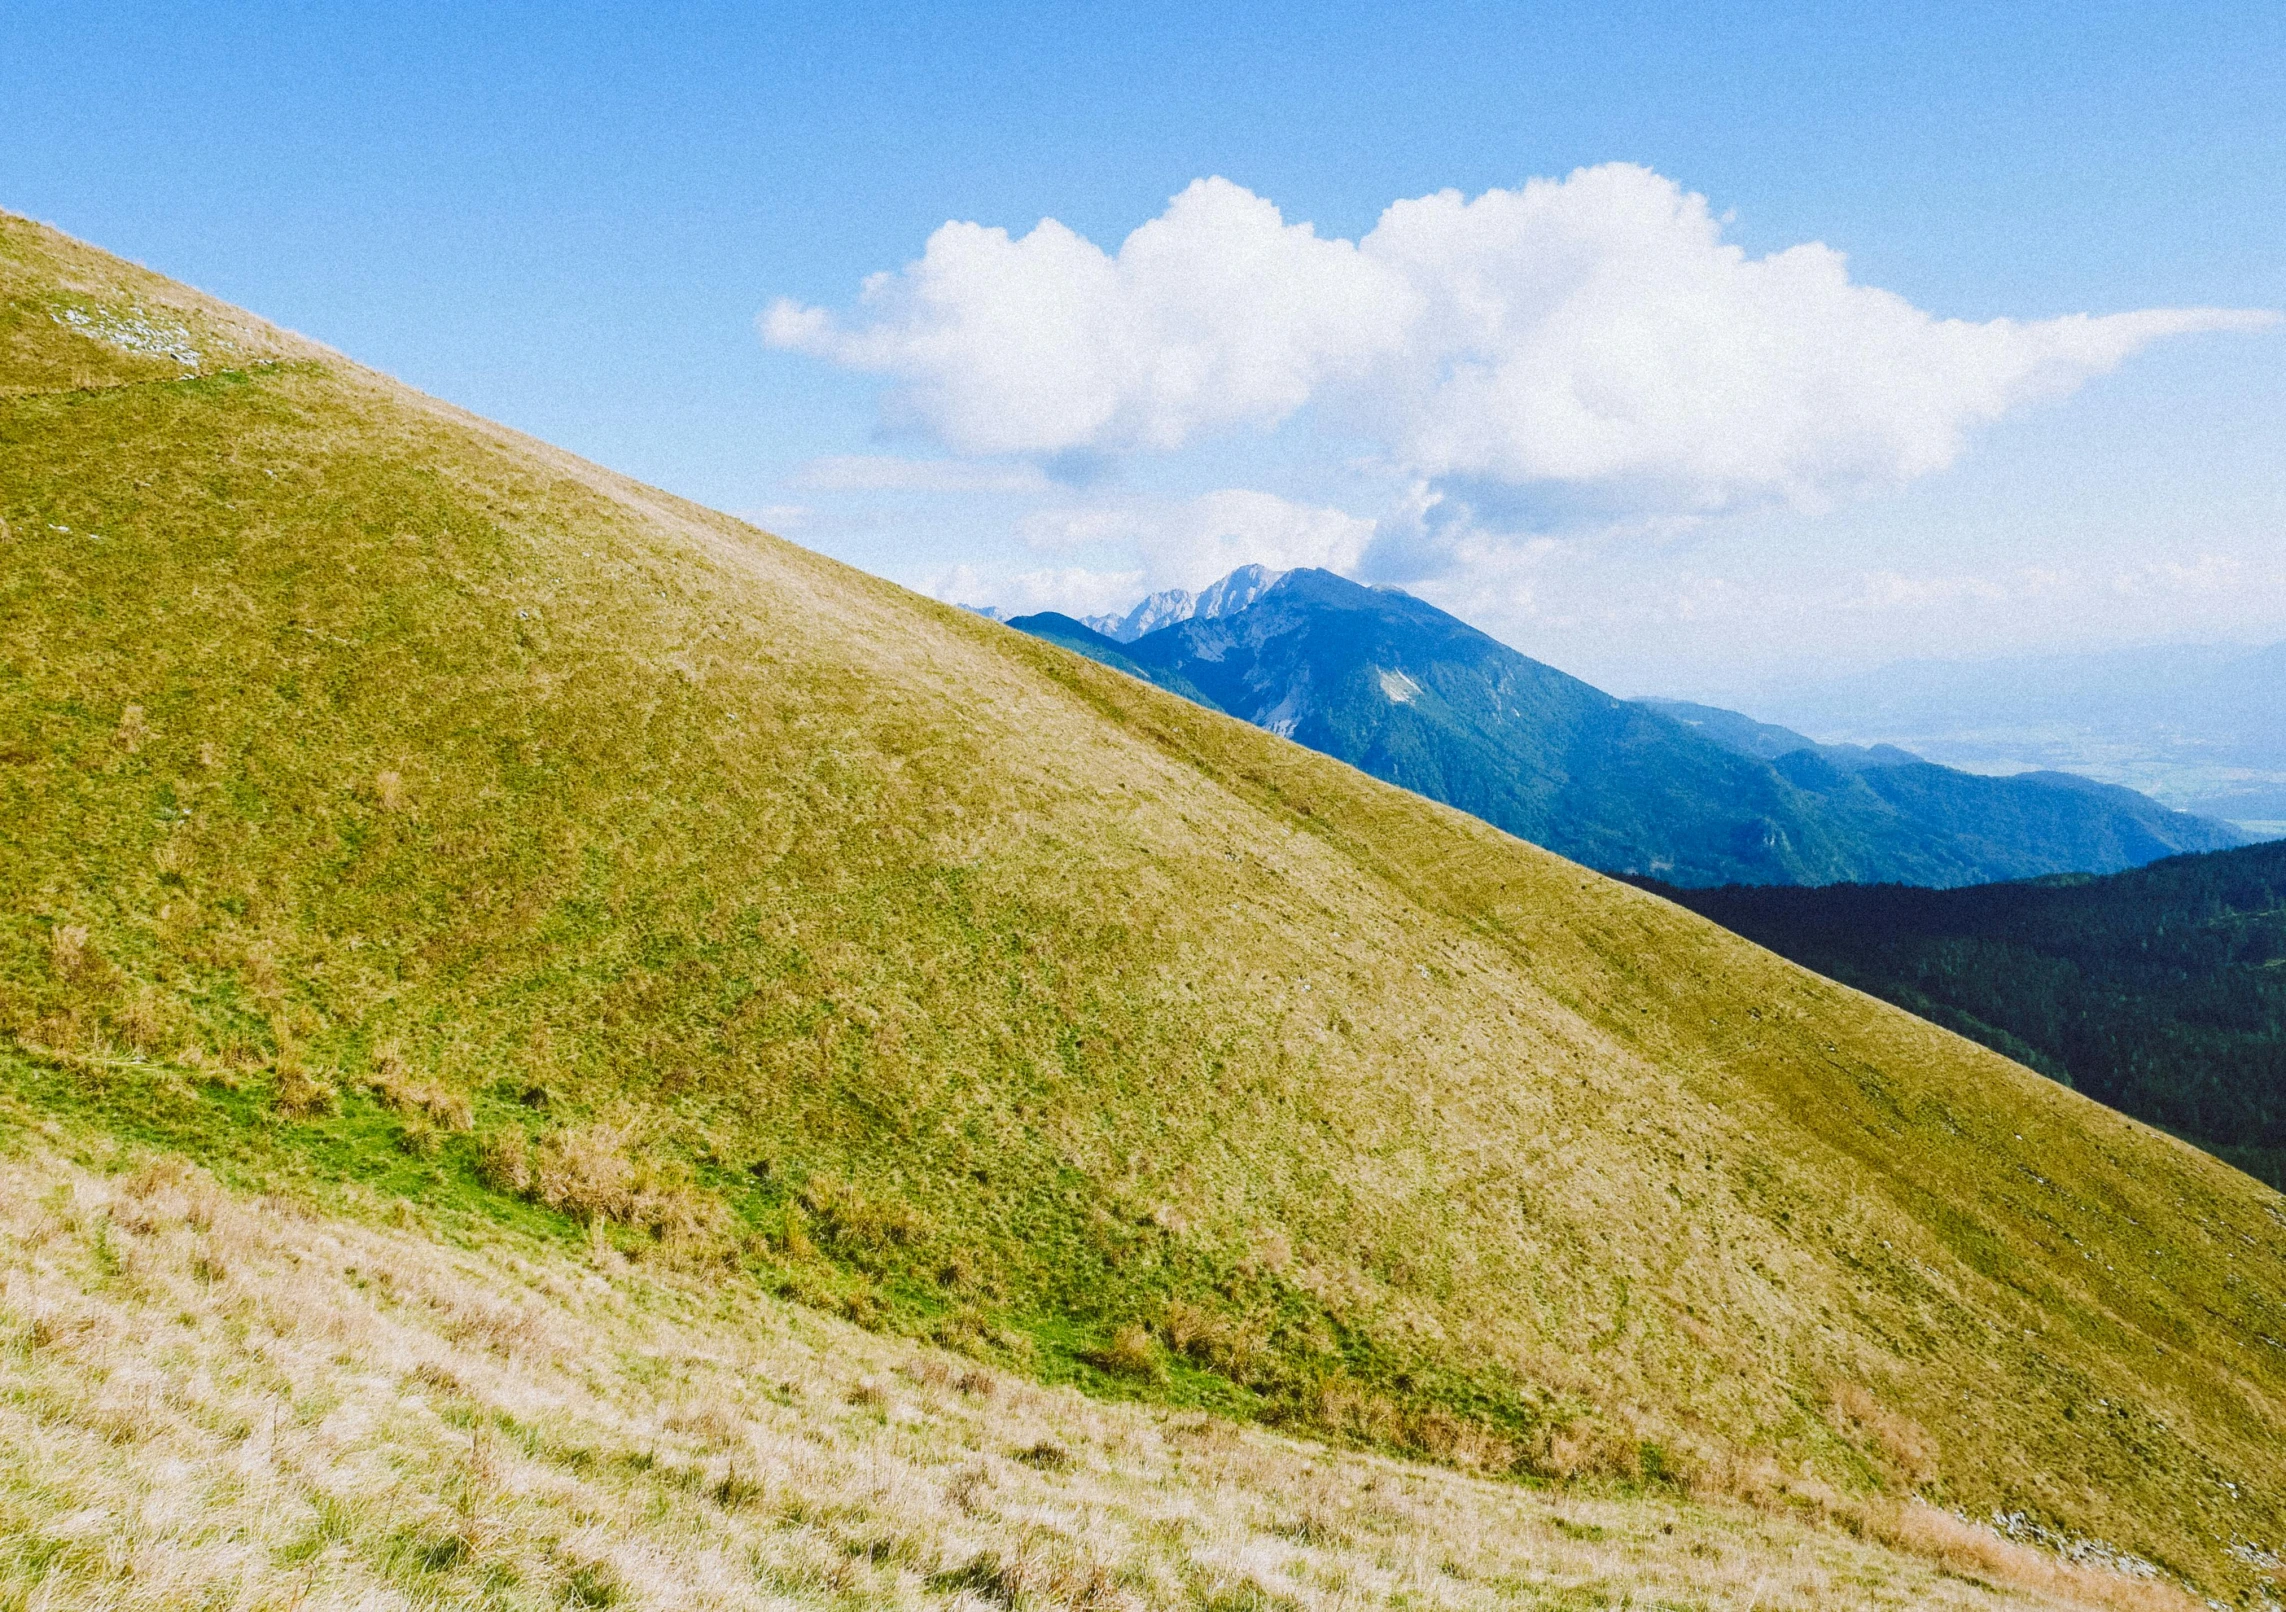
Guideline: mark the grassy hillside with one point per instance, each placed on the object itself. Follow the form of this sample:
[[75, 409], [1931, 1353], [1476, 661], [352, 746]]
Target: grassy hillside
[[2161, 991], [391, 799]]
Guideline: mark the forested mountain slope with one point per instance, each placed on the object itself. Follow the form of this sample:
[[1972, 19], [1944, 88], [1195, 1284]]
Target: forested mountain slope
[[387, 799], [1413, 695]]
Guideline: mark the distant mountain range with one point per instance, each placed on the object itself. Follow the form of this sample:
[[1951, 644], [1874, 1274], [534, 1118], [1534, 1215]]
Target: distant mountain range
[[1225, 598], [1689, 794], [2160, 991], [2200, 727]]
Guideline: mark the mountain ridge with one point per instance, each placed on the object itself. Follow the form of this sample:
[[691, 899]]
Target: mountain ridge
[[1226, 595], [1419, 698], [1767, 741]]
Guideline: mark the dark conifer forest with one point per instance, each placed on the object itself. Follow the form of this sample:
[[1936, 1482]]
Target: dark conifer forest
[[2160, 991]]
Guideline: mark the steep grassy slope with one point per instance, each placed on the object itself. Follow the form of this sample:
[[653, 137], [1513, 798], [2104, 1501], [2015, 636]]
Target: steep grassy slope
[[2160, 991], [655, 874]]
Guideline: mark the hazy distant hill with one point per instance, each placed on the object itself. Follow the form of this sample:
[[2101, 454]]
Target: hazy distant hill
[[1688, 793], [2199, 727], [1766, 741], [424, 830], [2161, 991]]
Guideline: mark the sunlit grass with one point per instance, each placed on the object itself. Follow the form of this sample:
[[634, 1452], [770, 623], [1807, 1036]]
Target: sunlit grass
[[216, 1403]]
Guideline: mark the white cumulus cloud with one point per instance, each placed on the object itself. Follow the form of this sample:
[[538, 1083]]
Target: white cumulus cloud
[[1596, 332], [1217, 313]]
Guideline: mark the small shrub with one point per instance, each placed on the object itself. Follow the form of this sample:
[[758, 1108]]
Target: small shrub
[[1588, 1449], [1347, 1406], [793, 1233], [592, 1174], [1212, 1340], [584, 1172], [59, 1031], [262, 977], [141, 1023], [860, 1223], [928, 1371], [1188, 1329]]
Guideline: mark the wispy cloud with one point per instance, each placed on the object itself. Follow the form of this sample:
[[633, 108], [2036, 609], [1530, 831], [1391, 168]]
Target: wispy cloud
[[886, 473], [1074, 590], [777, 517], [1191, 541]]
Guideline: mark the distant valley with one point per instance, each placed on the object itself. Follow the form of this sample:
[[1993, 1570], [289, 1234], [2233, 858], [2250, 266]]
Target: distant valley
[[2201, 728], [1693, 795]]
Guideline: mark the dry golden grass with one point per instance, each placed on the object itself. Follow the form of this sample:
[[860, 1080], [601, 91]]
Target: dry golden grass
[[215, 1402]]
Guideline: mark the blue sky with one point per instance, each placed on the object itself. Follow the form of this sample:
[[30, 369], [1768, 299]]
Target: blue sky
[[571, 220]]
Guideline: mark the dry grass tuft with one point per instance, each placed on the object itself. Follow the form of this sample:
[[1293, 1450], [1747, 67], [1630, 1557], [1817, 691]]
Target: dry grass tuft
[[1896, 1442], [389, 791], [391, 1083], [143, 1021], [1130, 1353], [860, 1222], [504, 1162], [586, 1172], [68, 951], [596, 1174], [302, 1092]]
